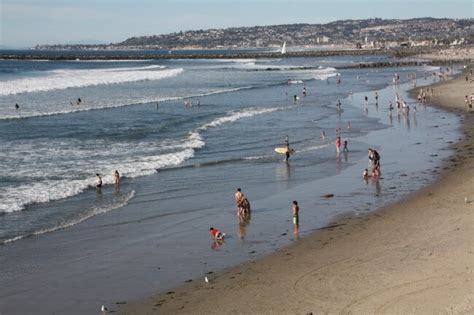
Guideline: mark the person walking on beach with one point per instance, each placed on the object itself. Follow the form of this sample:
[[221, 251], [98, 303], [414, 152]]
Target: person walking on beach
[[98, 181], [295, 209]]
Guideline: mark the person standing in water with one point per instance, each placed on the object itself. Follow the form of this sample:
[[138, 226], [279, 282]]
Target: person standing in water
[[242, 204], [338, 144], [98, 181], [287, 145], [18, 106], [116, 178], [295, 209], [345, 149]]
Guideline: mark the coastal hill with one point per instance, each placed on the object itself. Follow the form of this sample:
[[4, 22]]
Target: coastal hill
[[369, 33]]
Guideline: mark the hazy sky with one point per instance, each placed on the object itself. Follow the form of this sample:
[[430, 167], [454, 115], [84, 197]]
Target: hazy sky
[[25, 23]]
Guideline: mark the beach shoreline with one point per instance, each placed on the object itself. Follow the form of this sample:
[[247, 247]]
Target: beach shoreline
[[415, 256]]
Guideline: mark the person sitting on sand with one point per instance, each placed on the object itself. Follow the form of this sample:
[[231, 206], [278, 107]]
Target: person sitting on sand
[[216, 234], [98, 181]]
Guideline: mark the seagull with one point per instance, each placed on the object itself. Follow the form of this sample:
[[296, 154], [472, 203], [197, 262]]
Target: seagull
[[205, 279], [104, 309]]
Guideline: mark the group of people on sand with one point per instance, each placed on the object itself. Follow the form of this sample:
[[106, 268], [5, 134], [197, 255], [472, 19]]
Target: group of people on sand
[[99, 183]]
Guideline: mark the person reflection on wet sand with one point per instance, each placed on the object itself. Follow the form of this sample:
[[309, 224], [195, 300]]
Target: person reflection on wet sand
[[244, 220]]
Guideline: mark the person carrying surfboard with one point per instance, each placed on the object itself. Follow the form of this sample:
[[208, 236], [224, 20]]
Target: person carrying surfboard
[[287, 145]]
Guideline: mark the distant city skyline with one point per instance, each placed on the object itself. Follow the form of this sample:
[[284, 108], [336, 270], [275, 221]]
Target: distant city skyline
[[25, 23]]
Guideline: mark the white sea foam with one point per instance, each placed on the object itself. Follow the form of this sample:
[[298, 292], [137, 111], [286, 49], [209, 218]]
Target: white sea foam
[[73, 78], [234, 116], [323, 74], [67, 108], [312, 148], [66, 167]]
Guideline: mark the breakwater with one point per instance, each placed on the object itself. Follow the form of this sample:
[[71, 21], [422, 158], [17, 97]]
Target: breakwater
[[397, 54]]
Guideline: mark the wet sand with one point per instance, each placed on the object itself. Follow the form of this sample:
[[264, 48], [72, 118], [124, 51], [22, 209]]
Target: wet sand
[[416, 256]]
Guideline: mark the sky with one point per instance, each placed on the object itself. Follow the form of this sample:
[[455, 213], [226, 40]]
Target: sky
[[25, 23]]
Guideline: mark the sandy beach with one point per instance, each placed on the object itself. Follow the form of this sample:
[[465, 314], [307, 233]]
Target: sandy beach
[[414, 257]]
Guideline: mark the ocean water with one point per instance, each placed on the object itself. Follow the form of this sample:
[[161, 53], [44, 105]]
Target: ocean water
[[181, 163]]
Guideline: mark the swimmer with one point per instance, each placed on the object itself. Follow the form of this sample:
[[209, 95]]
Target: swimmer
[[216, 234], [116, 178], [345, 149], [98, 181]]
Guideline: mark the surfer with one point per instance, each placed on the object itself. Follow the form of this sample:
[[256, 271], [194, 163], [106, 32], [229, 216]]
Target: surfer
[[79, 101], [18, 106], [98, 181], [338, 105], [304, 90]]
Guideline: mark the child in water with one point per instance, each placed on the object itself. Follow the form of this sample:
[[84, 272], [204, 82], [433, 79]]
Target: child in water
[[216, 234], [365, 175]]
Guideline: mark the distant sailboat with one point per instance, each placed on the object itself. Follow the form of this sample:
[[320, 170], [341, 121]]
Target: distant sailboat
[[283, 49]]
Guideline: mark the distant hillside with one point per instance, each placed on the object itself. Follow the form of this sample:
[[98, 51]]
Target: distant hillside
[[339, 32], [369, 32]]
